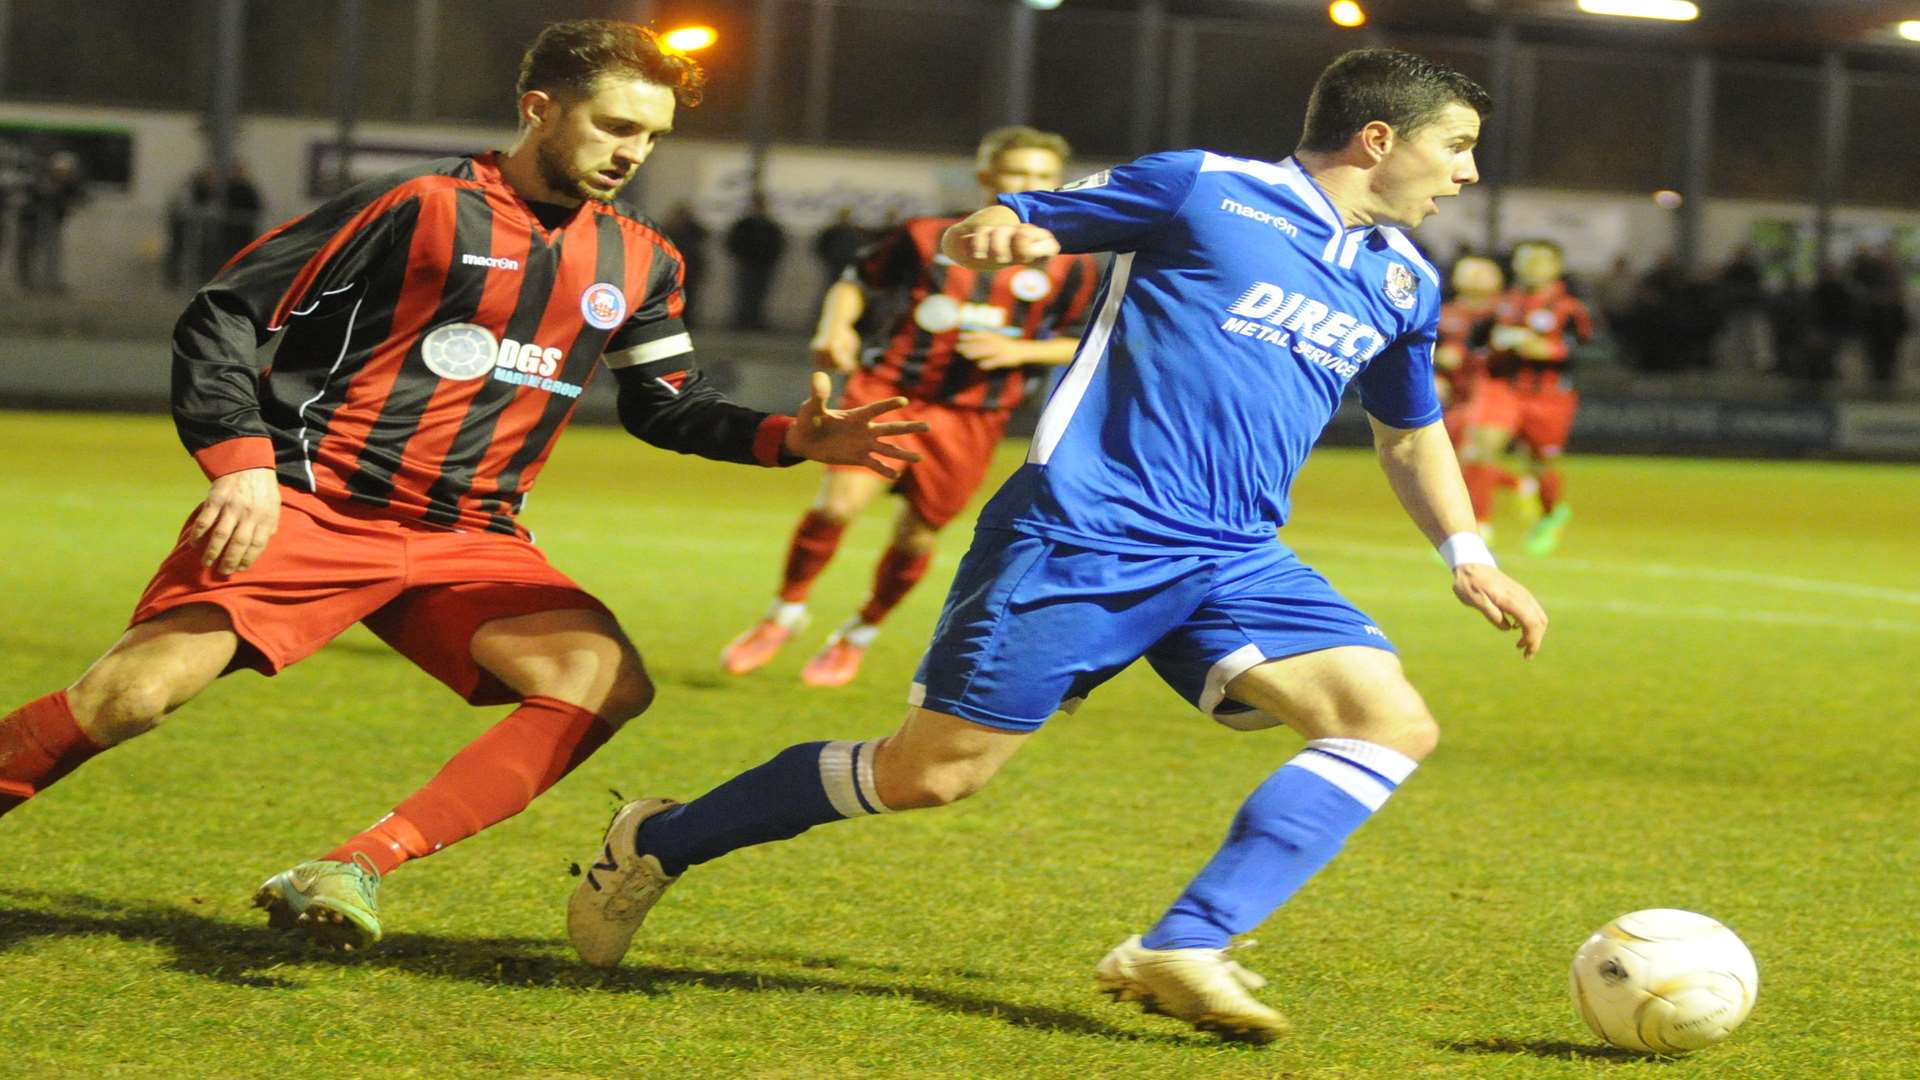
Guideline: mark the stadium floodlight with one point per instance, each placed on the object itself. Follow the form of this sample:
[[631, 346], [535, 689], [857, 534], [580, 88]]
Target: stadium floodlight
[[1910, 29], [1042, 5], [1671, 10], [688, 39], [1347, 13]]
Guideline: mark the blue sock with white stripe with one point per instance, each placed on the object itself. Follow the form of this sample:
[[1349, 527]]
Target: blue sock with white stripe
[[803, 786], [1290, 827]]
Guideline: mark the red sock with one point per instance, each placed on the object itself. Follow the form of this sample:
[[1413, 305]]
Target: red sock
[[40, 742], [1481, 480], [491, 780], [1550, 486], [814, 543], [899, 571]]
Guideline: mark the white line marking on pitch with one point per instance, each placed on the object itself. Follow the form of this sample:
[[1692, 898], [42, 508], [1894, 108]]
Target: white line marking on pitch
[[1784, 582]]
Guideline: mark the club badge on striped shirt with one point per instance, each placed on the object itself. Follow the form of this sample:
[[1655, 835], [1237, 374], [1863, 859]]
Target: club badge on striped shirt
[[459, 351], [1031, 284], [604, 305]]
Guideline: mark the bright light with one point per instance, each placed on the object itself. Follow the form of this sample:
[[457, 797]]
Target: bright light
[[689, 38], [1910, 29], [1346, 13], [1667, 199], [1672, 10], [1043, 5]]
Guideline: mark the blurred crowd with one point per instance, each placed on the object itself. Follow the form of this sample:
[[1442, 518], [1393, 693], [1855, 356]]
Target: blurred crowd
[[756, 243], [1850, 323], [37, 195], [211, 216]]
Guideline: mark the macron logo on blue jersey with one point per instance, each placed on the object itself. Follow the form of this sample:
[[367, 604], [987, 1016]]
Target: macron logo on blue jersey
[[1311, 330], [1261, 216]]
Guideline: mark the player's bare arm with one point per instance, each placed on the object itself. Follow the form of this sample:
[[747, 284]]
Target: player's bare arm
[[995, 237], [836, 344], [1425, 477], [990, 351], [239, 516], [849, 436]]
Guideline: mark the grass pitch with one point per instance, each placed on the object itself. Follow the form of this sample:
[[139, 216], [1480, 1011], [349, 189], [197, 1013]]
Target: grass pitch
[[1722, 720]]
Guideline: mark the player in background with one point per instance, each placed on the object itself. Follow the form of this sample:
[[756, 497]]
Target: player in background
[[438, 327], [1243, 299], [1527, 393], [960, 345], [1460, 354]]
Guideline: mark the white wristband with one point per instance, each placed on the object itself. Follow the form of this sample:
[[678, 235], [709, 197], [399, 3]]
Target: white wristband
[[1465, 548]]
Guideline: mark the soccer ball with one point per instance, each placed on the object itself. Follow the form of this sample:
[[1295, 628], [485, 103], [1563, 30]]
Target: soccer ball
[[1664, 981]]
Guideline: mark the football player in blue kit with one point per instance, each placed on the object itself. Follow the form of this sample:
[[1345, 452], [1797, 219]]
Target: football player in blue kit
[[1243, 298]]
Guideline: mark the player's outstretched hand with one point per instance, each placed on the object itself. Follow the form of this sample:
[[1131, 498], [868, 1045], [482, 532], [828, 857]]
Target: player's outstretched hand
[[849, 436], [1505, 602], [239, 516], [988, 351], [1009, 245], [836, 348]]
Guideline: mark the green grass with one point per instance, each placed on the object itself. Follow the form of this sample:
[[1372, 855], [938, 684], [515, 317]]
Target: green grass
[[1722, 720]]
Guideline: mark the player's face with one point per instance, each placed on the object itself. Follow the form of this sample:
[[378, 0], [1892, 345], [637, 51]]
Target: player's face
[[1434, 161], [591, 148], [1475, 278], [1026, 169], [1536, 265]]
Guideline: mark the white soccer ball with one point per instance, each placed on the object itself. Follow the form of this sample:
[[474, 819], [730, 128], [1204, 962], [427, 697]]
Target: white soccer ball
[[1664, 981]]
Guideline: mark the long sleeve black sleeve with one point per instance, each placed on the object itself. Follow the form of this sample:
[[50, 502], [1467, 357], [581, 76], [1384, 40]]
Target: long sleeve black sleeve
[[670, 404]]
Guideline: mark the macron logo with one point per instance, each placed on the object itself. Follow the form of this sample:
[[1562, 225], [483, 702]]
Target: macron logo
[[1260, 216], [490, 262]]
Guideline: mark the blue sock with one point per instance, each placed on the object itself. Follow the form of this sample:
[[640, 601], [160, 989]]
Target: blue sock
[[803, 786], [1289, 828]]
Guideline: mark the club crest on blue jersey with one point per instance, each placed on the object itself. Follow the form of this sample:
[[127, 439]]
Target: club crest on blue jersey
[[604, 305], [1400, 286]]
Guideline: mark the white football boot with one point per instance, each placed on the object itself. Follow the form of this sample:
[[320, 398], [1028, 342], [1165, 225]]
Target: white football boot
[[1200, 986], [618, 890]]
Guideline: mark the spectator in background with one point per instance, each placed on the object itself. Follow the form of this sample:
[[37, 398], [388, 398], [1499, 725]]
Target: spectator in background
[[756, 243], [1614, 293], [1745, 344], [837, 245], [1833, 323], [50, 197], [1883, 312], [690, 237], [12, 184], [239, 218], [187, 222]]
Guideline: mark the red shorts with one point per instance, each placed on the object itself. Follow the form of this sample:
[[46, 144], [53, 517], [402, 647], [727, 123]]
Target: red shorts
[[1541, 418], [956, 450], [422, 589]]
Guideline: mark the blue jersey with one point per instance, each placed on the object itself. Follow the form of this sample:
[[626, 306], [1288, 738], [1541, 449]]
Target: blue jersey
[[1236, 310]]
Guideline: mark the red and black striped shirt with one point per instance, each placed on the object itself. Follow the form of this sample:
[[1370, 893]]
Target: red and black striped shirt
[[1551, 313], [936, 299], [435, 339]]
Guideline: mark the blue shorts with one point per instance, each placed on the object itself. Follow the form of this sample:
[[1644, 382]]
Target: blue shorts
[[1032, 626]]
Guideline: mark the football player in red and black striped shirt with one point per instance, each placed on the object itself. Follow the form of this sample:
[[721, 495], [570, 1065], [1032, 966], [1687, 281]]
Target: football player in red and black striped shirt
[[437, 328], [1528, 394], [960, 345]]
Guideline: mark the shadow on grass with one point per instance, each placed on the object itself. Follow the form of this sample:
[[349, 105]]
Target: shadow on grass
[[255, 957], [1549, 1048]]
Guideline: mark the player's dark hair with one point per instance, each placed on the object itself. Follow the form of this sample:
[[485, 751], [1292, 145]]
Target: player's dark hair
[[1397, 88], [568, 58]]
